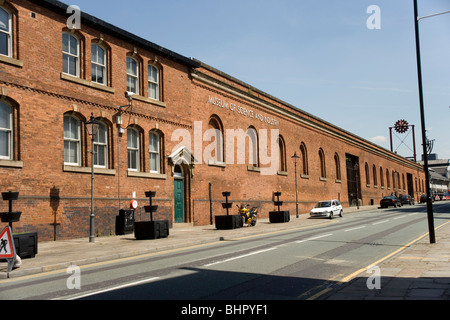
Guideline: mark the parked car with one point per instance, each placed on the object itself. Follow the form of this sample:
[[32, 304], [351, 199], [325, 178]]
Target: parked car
[[390, 201], [327, 209], [423, 198], [406, 199]]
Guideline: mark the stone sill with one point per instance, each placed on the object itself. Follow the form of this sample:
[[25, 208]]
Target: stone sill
[[11, 61], [147, 175], [11, 164], [86, 83], [85, 170]]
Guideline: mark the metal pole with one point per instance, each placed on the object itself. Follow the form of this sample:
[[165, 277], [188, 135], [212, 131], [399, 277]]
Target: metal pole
[[424, 138], [296, 192], [357, 187], [92, 217], [210, 204], [414, 143], [390, 135]]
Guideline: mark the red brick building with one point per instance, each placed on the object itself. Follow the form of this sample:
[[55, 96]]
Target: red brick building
[[187, 127]]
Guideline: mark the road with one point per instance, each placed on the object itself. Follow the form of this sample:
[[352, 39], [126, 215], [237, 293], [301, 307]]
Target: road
[[285, 265]]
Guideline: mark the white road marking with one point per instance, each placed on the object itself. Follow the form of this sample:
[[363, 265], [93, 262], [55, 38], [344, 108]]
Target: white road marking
[[115, 288], [380, 222], [315, 238], [357, 228], [239, 257]]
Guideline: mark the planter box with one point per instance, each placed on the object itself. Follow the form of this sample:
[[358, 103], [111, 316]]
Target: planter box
[[279, 216], [26, 244], [228, 222], [10, 196], [149, 230], [10, 216], [125, 222]]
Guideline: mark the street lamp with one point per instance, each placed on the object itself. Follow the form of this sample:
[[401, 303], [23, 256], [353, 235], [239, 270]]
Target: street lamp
[[422, 116], [295, 158], [120, 131], [356, 167], [92, 127]]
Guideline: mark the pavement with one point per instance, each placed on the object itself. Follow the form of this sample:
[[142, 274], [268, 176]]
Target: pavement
[[420, 271]]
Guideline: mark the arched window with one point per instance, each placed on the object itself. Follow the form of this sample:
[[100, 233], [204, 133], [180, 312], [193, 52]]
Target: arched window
[[214, 152], [367, 174], [6, 131], [381, 177], [155, 146], [153, 82], [133, 67], [282, 148], [375, 179], [253, 154], [304, 152], [323, 168], [71, 54], [395, 181], [72, 140], [388, 181], [6, 35], [101, 148], [99, 68], [134, 152], [337, 163]]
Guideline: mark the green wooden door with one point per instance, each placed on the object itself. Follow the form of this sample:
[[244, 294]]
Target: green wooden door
[[179, 201]]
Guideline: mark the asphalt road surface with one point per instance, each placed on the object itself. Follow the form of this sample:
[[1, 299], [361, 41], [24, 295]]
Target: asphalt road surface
[[285, 265]]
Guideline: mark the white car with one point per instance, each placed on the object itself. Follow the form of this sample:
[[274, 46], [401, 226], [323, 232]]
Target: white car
[[327, 209]]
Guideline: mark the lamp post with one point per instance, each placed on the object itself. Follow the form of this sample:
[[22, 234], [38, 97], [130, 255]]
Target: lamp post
[[120, 131], [295, 158], [92, 127], [356, 167], [422, 117]]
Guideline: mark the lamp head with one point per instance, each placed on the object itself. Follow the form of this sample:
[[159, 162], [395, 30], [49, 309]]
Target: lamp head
[[129, 95], [92, 125]]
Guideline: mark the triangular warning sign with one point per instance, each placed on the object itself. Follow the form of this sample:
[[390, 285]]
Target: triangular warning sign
[[6, 244]]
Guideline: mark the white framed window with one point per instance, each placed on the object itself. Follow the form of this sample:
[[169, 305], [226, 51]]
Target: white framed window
[[132, 75], [5, 33], [6, 131], [253, 150], [72, 141], [98, 64], [133, 149], [101, 147], [71, 55], [153, 82], [155, 152]]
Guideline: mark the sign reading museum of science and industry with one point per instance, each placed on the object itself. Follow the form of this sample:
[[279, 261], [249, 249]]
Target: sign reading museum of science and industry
[[242, 111]]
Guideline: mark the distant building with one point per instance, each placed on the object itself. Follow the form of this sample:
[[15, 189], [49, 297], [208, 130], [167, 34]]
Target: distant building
[[439, 173]]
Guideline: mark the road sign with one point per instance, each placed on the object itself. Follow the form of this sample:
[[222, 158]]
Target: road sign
[[133, 204], [6, 244]]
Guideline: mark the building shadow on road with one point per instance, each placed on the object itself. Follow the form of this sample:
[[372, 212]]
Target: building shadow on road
[[198, 284]]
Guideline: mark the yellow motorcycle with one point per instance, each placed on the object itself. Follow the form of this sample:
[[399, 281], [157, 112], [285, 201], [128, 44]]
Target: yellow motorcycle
[[249, 216]]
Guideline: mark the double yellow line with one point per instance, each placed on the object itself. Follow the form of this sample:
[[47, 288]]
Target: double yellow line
[[354, 274]]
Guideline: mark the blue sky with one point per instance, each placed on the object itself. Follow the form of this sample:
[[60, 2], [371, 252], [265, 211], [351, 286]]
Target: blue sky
[[319, 56]]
